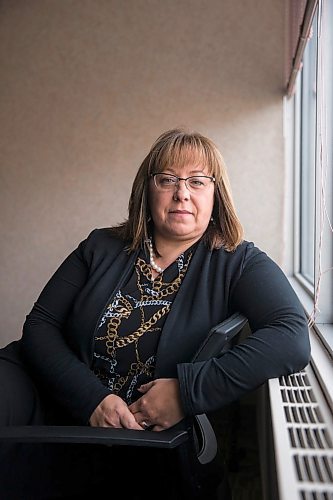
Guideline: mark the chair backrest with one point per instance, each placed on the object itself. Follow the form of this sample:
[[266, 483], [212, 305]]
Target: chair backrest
[[220, 337]]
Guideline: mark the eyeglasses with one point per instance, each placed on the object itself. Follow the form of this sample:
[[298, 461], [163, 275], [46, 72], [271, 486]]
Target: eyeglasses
[[194, 183]]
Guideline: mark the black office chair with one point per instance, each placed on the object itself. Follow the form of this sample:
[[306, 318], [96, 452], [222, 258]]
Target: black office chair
[[193, 442]]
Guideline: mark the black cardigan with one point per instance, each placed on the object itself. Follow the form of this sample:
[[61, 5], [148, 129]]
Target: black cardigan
[[58, 334]]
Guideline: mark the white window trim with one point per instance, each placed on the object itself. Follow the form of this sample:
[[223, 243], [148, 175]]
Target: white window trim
[[321, 333]]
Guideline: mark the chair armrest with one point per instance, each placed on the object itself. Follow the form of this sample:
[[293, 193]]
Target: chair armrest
[[205, 438], [217, 341], [170, 438]]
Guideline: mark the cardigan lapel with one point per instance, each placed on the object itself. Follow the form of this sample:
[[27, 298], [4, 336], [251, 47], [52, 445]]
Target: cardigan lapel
[[191, 316]]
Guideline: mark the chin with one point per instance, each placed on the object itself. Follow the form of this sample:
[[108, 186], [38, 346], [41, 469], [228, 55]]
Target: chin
[[183, 236]]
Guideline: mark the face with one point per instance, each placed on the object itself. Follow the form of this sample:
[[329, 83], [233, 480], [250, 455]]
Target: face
[[181, 214]]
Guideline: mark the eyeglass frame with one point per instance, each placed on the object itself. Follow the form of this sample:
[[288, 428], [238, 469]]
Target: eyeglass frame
[[211, 177]]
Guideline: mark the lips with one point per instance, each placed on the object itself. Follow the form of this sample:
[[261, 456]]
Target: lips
[[180, 212]]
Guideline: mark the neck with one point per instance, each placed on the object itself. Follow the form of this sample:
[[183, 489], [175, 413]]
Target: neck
[[168, 250], [160, 263]]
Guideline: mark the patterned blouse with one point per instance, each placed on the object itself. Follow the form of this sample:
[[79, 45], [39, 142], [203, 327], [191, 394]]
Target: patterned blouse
[[128, 334]]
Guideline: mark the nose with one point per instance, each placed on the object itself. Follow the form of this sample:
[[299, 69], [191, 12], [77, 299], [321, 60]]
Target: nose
[[181, 190]]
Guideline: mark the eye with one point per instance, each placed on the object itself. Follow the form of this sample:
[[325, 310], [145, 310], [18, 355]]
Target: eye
[[196, 182], [166, 180]]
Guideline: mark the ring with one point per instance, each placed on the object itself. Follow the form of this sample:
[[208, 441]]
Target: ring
[[144, 424]]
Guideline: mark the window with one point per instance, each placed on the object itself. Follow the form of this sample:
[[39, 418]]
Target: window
[[312, 163]]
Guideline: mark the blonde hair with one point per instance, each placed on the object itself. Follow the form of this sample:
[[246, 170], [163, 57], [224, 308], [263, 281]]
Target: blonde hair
[[180, 147]]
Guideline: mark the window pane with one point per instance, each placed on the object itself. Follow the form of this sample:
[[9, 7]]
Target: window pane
[[307, 157]]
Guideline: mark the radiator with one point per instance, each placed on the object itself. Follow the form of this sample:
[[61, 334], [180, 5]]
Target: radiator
[[296, 439]]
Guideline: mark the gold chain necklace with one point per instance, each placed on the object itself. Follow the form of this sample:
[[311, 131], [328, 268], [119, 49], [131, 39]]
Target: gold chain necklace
[[113, 341]]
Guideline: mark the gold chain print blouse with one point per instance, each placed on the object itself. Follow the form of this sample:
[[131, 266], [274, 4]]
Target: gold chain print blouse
[[129, 331]]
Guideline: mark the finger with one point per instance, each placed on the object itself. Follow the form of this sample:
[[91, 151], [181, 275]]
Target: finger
[[106, 423], [157, 428], [140, 418], [134, 408], [132, 424], [136, 426], [145, 425], [146, 387], [129, 422], [114, 423]]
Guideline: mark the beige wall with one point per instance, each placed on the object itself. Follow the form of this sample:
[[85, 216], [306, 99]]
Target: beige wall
[[87, 85]]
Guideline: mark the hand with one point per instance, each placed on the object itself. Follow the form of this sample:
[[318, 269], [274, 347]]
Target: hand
[[160, 406], [113, 412]]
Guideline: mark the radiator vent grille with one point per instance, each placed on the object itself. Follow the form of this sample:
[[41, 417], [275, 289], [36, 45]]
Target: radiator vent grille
[[303, 414], [314, 468], [309, 435], [313, 438], [312, 495]]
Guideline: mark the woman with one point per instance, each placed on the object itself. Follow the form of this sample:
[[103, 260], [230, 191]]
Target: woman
[[110, 340]]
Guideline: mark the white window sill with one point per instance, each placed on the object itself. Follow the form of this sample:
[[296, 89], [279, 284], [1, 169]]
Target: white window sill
[[321, 339]]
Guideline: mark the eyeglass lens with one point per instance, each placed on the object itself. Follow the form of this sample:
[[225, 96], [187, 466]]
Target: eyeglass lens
[[167, 181]]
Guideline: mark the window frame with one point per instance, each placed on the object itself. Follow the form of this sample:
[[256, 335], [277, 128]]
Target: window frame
[[321, 330]]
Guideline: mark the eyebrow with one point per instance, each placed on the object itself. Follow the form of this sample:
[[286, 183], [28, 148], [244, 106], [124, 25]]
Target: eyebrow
[[192, 172]]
